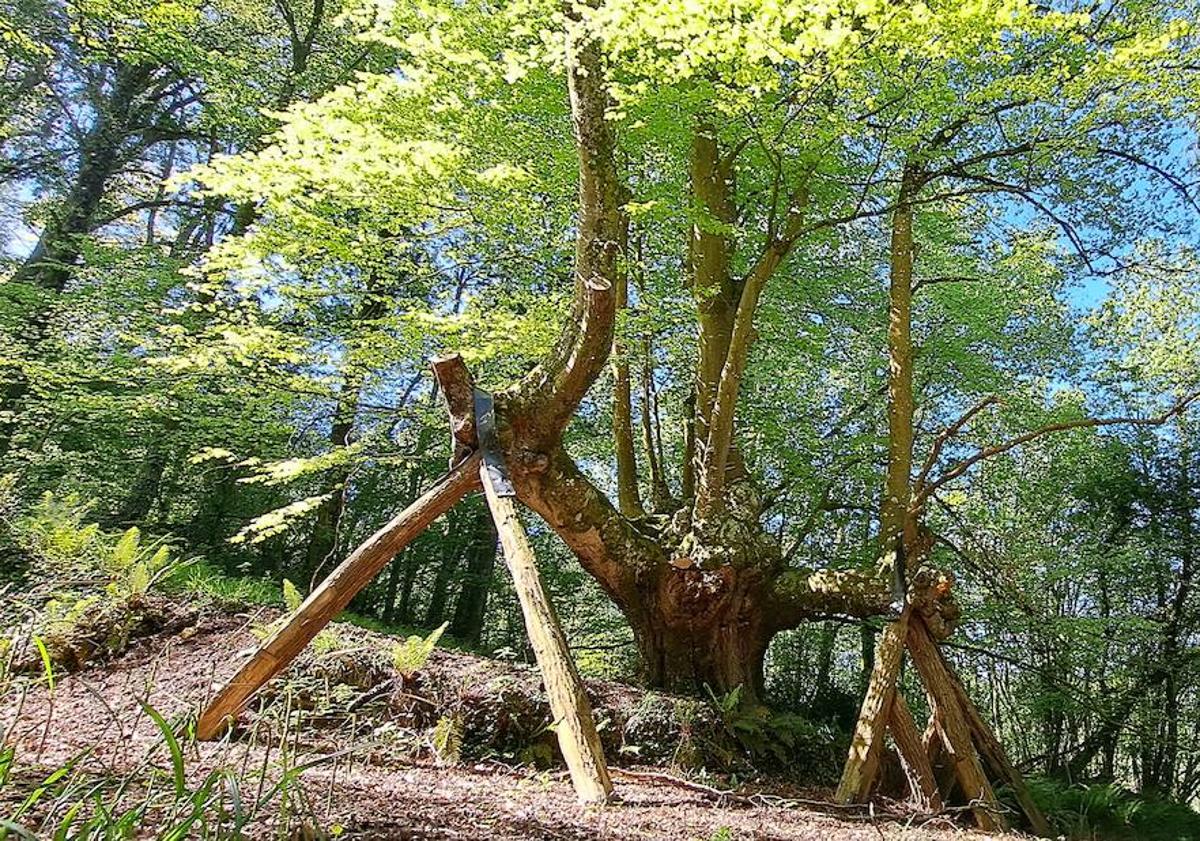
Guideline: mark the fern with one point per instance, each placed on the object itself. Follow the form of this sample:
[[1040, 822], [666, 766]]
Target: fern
[[448, 739], [291, 596], [126, 551], [410, 656]]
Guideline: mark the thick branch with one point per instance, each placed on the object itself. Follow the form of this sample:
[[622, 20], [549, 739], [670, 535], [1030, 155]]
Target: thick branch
[[608, 546], [803, 595], [709, 254], [901, 403], [549, 395], [720, 431], [628, 499]]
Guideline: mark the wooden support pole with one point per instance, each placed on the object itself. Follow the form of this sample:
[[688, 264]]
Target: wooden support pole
[[576, 729], [862, 764], [996, 758], [333, 594], [918, 770], [458, 393], [945, 706], [931, 739]]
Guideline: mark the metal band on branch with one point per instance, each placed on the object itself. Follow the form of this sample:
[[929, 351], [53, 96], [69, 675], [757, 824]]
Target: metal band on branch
[[485, 427]]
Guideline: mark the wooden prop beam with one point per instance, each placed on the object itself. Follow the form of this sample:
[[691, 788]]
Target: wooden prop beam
[[458, 392], [333, 594], [862, 764], [922, 782], [995, 757], [947, 710], [574, 724]]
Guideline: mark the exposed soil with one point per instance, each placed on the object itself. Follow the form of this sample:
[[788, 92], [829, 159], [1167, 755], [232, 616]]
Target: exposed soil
[[367, 782]]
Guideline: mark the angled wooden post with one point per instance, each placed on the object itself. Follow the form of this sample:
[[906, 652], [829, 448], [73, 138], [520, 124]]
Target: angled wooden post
[[922, 782], [996, 758], [862, 764], [574, 724], [946, 708], [333, 594]]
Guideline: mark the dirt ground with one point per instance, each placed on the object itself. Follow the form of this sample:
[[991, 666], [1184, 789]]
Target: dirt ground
[[359, 789]]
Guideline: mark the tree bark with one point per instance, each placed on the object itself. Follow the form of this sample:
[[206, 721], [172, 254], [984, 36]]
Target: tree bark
[[946, 708], [545, 400], [922, 783], [894, 519], [719, 444], [712, 286], [866, 746], [660, 492]]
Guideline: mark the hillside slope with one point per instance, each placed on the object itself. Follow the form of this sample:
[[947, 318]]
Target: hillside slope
[[339, 747]]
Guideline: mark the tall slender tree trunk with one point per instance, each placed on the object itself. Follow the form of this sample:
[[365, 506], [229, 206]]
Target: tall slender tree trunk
[[45, 273], [629, 501], [713, 288], [390, 589], [894, 518], [660, 492], [147, 486], [471, 607], [322, 542]]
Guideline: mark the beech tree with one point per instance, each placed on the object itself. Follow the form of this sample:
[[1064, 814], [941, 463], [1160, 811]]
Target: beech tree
[[720, 153]]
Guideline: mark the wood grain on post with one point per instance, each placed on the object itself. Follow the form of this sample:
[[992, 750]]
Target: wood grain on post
[[862, 763], [333, 594], [945, 706], [576, 729], [918, 770], [996, 758]]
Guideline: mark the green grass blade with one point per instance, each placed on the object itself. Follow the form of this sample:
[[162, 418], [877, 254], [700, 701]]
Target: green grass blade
[[173, 746], [47, 666]]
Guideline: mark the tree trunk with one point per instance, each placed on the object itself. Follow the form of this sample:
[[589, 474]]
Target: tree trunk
[[704, 636], [48, 268], [712, 287], [471, 608], [574, 723], [439, 594], [322, 542], [404, 605], [628, 500], [894, 518], [390, 588], [144, 494]]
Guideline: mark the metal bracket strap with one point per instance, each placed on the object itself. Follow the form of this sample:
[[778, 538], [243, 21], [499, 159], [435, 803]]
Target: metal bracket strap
[[485, 431]]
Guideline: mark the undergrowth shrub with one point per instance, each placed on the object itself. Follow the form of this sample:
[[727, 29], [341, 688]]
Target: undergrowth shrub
[[88, 591], [1108, 812], [410, 656], [775, 739]]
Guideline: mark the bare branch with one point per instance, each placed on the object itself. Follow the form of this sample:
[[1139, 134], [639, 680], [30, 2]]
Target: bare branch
[[948, 433], [996, 449]]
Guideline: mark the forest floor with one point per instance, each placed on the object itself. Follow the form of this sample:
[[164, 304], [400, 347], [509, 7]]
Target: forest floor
[[351, 780]]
